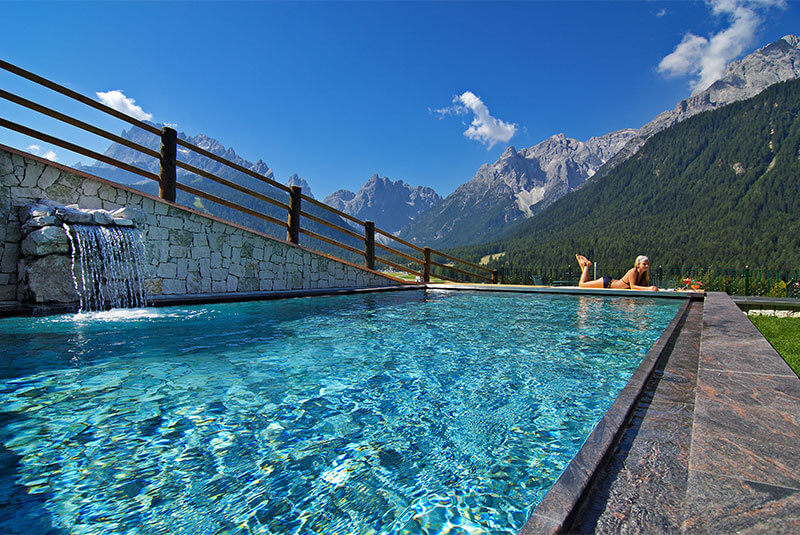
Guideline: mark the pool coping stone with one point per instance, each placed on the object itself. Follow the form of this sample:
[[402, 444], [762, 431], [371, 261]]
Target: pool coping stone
[[573, 290], [13, 308], [29, 309]]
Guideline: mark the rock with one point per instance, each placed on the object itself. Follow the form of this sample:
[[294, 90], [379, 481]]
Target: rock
[[296, 180], [49, 279], [122, 222], [38, 222], [34, 210], [52, 204], [46, 241], [101, 217], [390, 204], [129, 212], [71, 215], [518, 185]]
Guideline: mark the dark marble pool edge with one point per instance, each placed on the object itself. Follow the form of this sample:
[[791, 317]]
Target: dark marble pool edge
[[12, 308], [207, 298], [554, 513], [569, 290]]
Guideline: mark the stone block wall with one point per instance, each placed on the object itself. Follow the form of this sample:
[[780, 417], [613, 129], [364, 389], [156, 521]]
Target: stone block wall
[[187, 252]]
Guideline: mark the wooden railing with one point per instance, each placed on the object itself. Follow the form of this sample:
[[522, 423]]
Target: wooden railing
[[168, 163]]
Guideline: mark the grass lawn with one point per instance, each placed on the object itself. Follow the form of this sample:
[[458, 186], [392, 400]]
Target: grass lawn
[[784, 335]]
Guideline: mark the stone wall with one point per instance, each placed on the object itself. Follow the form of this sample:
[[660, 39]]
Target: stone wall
[[187, 252]]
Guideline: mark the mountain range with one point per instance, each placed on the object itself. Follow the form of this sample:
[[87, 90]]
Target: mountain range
[[520, 184], [504, 194], [392, 205], [144, 138], [718, 190]]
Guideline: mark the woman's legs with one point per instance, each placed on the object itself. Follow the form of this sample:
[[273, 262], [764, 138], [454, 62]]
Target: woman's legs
[[585, 282]]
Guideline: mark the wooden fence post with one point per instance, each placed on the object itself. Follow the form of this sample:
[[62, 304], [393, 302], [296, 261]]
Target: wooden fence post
[[169, 157], [369, 243], [426, 273], [495, 277], [293, 231]]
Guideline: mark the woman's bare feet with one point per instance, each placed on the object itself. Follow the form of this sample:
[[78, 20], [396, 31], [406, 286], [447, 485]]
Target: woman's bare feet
[[583, 261]]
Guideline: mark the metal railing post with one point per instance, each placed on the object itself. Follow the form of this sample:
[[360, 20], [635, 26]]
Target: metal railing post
[[426, 273], [369, 244], [746, 280], [169, 156], [293, 230]]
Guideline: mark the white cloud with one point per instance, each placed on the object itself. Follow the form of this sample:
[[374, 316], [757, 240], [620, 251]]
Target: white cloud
[[484, 128], [661, 13], [706, 58], [117, 100], [36, 149], [455, 109]]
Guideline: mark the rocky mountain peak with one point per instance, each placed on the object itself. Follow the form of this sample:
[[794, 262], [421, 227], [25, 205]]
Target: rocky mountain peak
[[518, 185], [792, 40], [743, 79], [262, 168], [391, 204], [296, 180], [510, 152]]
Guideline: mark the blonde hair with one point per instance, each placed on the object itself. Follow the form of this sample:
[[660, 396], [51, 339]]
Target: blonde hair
[[644, 280]]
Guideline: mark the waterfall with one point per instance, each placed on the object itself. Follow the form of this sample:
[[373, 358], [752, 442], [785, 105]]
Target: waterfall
[[107, 266]]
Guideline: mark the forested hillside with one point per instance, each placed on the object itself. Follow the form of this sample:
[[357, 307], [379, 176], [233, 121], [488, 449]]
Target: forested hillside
[[721, 189]]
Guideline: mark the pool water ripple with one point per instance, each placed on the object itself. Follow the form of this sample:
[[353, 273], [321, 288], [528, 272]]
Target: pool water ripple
[[445, 412]]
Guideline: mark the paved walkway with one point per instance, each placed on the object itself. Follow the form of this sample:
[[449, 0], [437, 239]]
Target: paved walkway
[[714, 444]]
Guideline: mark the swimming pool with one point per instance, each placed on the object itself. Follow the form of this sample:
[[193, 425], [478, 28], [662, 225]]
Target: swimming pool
[[400, 412]]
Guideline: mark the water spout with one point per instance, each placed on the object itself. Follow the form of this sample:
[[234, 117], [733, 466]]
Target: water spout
[[107, 266]]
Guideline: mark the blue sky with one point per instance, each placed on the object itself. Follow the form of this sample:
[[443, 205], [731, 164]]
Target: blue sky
[[425, 92]]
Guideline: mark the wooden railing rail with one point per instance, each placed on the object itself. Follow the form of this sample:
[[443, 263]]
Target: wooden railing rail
[[333, 210], [232, 185], [398, 266], [312, 234], [75, 122], [454, 259], [399, 240], [333, 226], [76, 148], [233, 165], [77, 96], [203, 195], [168, 185], [400, 254], [457, 270]]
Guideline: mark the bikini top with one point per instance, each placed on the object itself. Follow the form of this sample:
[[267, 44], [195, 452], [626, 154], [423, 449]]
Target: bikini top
[[639, 278]]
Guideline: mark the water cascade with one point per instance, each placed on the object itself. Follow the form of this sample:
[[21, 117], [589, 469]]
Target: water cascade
[[107, 266]]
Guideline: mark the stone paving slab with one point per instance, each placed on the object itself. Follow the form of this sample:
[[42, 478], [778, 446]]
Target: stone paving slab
[[721, 505], [744, 467]]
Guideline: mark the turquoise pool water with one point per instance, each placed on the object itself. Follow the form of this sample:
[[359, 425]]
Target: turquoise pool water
[[402, 412]]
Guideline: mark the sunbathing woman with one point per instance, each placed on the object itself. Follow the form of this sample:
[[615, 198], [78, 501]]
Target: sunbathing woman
[[637, 278]]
